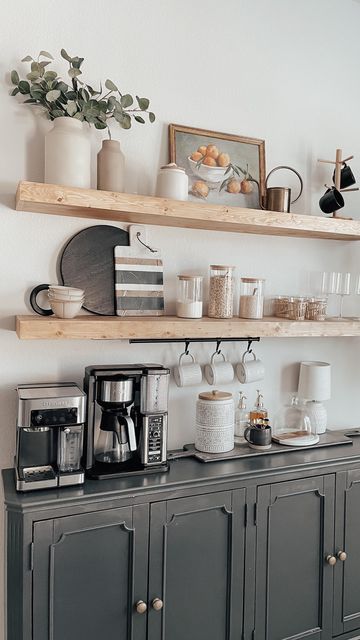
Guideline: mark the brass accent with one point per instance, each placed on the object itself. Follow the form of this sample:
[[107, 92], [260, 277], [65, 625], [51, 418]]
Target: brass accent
[[157, 604], [342, 555], [141, 606], [331, 560]]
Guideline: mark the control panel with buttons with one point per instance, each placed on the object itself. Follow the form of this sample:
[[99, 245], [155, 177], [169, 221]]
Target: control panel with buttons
[[53, 417], [155, 435]]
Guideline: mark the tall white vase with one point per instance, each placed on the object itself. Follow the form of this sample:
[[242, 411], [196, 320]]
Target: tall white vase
[[68, 154], [110, 167]]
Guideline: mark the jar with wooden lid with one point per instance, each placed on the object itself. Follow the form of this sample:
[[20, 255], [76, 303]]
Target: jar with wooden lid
[[214, 422], [251, 298], [221, 291], [189, 299]]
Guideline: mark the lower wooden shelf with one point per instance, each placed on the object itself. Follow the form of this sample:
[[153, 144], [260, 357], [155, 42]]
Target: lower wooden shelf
[[87, 327]]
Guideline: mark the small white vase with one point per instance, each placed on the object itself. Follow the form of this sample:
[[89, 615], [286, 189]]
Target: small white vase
[[68, 154], [110, 167]]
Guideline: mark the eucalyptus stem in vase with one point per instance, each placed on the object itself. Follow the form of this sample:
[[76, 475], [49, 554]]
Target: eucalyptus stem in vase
[[69, 105]]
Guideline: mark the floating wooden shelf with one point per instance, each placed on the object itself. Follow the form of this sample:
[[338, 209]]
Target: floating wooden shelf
[[88, 327], [124, 207]]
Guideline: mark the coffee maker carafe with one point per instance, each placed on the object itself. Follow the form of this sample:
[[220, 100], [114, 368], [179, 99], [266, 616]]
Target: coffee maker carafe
[[49, 435], [116, 441], [126, 428]]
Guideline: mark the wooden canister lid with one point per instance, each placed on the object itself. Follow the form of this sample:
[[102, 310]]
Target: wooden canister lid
[[215, 395]]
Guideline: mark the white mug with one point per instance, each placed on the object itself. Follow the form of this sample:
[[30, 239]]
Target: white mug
[[188, 374], [219, 372], [250, 370]]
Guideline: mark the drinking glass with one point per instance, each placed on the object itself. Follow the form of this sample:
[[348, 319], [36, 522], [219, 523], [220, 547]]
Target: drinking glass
[[329, 283], [343, 289]]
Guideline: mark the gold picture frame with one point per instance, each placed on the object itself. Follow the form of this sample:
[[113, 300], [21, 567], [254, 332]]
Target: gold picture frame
[[229, 175]]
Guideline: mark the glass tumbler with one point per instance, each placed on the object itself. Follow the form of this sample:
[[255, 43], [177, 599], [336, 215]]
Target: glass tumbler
[[70, 448], [189, 299]]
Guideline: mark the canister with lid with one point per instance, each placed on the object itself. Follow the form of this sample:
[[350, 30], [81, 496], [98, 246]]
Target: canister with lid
[[172, 182], [189, 299], [221, 291], [251, 298], [214, 422]]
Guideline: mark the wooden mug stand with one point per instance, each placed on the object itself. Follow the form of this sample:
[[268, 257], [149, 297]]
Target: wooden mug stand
[[338, 162]]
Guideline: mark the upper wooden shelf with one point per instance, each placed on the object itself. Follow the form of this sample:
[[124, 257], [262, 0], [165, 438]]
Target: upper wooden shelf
[[88, 327], [125, 207]]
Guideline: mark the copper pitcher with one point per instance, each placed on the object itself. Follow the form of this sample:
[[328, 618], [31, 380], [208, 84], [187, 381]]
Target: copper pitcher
[[278, 198]]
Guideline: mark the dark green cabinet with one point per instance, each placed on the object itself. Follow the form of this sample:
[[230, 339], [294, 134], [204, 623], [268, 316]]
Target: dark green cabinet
[[197, 567], [295, 534], [88, 570]]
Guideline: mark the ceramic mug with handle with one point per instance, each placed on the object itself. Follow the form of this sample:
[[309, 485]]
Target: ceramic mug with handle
[[251, 370]]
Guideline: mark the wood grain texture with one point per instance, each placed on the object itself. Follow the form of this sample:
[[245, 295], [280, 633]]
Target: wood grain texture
[[123, 207], [109, 328]]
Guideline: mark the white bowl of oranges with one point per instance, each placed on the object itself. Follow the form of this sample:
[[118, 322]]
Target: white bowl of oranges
[[209, 163]]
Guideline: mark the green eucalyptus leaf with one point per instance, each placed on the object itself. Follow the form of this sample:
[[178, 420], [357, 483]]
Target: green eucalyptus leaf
[[126, 100], [112, 101], [34, 75], [57, 113], [100, 125], [152, 116], [44, 63], [15, 77], [36, 92], [74, 72], [50, 76], [139, 119], [65, 55], [35, 66], [84, 94], [123, 119], [103, 106], [53, 95], [110, 85], [14, 91], [143, 103], [71, 108], [71, 95], [77, 62], [30, 101], [79, 116], [24, 87], [62, 86], [46, 54], [27, 59]]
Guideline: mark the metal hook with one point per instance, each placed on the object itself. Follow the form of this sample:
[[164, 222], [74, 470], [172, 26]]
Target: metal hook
[[187, 343], [249, 349], [138, 235], [218, 350]]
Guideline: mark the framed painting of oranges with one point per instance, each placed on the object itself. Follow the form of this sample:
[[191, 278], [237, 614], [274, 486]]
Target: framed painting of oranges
[[222, 168]]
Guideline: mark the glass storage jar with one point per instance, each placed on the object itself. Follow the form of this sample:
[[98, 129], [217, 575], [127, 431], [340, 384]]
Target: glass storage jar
[[221, 291], [251, 298], [281, 306], [189, 299], [316, 309], [293, 426]]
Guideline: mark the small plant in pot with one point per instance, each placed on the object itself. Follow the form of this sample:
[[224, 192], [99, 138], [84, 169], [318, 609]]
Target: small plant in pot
[[70, 105]]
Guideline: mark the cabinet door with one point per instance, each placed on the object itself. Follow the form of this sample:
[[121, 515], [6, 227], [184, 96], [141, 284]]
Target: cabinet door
[[196, 567], [295, 533], [347, 538], [89, 570]]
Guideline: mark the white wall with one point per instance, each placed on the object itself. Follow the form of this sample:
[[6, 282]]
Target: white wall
[[282, 70]]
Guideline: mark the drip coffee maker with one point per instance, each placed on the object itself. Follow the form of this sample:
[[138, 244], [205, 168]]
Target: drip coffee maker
[[116, 441]]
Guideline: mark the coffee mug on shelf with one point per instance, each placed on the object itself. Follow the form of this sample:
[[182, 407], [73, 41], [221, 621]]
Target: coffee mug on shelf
[[65, 302], [347, 178], [250, 370], [219, 372], [331, 201], [188, 374], [258, 438]]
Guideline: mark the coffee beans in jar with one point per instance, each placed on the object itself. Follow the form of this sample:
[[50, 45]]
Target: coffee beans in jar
[[221, 291]]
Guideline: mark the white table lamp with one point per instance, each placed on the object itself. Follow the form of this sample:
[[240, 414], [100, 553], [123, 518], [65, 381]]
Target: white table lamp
[[315, 387]]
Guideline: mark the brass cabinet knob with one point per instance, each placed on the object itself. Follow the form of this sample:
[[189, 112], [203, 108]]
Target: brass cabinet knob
[[331, 560], [157, 604], [342, 555], [141, 606]]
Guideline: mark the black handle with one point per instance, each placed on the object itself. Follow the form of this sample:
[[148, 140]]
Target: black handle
[[34, 304]]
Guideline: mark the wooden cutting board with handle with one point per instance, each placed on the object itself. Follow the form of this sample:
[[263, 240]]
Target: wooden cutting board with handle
[[139, 278]]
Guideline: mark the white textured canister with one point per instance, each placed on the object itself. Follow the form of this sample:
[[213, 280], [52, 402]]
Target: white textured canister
[[214, 422], [172, 182]]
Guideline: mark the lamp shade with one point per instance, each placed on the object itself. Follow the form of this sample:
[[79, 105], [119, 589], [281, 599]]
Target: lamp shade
[[315, 381]]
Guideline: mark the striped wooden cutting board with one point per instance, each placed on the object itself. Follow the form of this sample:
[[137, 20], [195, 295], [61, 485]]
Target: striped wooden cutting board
[[139, 280]]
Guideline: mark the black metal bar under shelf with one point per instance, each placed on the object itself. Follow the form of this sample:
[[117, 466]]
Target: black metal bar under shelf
[[189, 340]]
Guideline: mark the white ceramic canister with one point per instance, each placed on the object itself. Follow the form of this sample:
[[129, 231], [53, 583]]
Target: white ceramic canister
[[172, 182], [214, 422], [68, 153], [110, 167]]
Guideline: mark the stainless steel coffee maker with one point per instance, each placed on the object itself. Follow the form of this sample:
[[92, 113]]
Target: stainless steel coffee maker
[[126, 427], [49, 435]]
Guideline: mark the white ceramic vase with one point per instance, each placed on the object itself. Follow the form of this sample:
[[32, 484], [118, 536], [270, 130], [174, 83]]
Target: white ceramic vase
[[68, 154], [110, 167]]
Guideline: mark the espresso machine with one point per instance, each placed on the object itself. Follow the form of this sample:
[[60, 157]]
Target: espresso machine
[[49, 435], [126, 426]]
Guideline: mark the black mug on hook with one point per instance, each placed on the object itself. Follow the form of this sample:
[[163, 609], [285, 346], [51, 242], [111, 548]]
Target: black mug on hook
[[347, 178], [331, 201]]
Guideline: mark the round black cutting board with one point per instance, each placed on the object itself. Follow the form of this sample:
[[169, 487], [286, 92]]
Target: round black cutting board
[[87, 262]]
